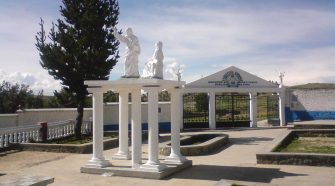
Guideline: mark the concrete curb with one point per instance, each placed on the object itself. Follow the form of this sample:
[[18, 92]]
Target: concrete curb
[[204, 148]]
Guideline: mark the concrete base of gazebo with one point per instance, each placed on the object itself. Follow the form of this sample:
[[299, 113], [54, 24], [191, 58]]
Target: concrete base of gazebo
[[128, 171]]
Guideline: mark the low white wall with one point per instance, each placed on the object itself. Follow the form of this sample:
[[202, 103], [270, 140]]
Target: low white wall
[[8, 120], [111, 115], [33, 116], [312, 100], [111, 112]]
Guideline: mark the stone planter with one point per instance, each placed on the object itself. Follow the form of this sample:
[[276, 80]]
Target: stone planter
[[85, 148], [284, 158], [207, 147]]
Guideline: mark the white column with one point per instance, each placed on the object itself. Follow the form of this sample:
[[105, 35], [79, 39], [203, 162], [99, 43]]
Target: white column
[[98, 159], [181, 106], [123, 152], [136, 128], [175, 155], [211, 106], [153, 162], [282, 107], [253, 109]]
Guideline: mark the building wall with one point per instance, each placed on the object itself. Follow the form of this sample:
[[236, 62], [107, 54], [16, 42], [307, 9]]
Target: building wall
[[310, 104], [8, 120], [111, 116], [32, 116], [301, 104]]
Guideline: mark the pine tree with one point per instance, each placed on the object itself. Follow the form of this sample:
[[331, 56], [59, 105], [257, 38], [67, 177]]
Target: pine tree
[[81, 47], [63, 99]]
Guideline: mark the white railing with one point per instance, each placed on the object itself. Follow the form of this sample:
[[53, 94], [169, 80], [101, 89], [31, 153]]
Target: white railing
[[60, 129], [86, 127], [32, 133], [23, 134], [66, 128]]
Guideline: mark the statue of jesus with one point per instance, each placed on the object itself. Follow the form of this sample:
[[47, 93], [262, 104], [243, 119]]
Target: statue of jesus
[[133, 50]]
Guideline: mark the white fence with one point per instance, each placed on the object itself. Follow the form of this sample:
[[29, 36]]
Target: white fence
[[32, 133]]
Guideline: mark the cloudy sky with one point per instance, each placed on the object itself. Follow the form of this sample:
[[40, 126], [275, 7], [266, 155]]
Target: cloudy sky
[[203, 36]]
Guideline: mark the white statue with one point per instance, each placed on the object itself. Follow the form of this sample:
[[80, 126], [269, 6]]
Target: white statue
[[154, 67], [281, 76], [133, 50], [177, 70], [178, 73]]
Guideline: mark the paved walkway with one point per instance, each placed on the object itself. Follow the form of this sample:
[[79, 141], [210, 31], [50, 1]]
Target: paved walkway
[[236, 164]]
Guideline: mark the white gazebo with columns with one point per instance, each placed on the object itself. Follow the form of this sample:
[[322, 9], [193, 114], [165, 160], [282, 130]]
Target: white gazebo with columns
[[134, 86], [235, 80]]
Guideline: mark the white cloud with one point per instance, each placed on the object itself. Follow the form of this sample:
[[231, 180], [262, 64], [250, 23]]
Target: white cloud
[[171, 68], [36, 82], [17, 37], [219, 32], [19, 60], [303, 66], [260, 41], [200, 38]]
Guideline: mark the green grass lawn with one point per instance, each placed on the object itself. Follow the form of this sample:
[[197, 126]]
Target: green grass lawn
[[311, 145]]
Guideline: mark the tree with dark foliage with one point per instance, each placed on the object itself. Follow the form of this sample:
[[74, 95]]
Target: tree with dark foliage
[[62, 99], [201, 102], [81, 47], [36, 101], [15, 96]]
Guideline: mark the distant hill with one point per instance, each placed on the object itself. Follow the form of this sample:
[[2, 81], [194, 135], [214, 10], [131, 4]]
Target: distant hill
[[314, 86]]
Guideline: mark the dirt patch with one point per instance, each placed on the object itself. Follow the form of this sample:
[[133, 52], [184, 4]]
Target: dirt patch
[[25, 159], [45, 161]]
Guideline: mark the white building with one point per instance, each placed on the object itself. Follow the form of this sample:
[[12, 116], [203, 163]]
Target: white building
[[234, 81]]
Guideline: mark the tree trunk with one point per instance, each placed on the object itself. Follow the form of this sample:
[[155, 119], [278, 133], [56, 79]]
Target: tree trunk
[[80, 114]]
